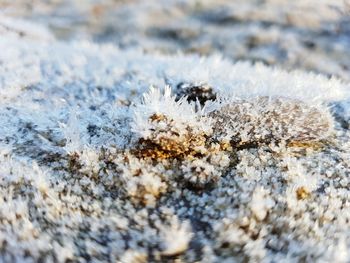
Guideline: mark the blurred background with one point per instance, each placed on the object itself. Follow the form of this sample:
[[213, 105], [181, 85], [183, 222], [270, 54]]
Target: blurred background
[[312, 35]]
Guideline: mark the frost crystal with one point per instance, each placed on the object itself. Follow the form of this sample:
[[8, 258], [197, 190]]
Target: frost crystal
[[176, 238]]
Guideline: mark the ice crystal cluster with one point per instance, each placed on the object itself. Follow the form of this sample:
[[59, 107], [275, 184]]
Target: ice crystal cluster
[[123, 156]]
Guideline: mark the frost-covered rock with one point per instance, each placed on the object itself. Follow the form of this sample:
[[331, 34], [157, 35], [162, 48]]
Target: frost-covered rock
[[266, 119]]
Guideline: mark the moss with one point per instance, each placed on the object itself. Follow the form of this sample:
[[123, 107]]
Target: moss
[[304, 148], [302, 193], [74, 164], [167, 143], [313, 145]]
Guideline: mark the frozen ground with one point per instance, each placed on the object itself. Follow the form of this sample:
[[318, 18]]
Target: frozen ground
[[312, 34], [123, 151]]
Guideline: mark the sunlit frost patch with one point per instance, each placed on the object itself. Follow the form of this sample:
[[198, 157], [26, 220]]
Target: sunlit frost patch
[[130, 157]]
